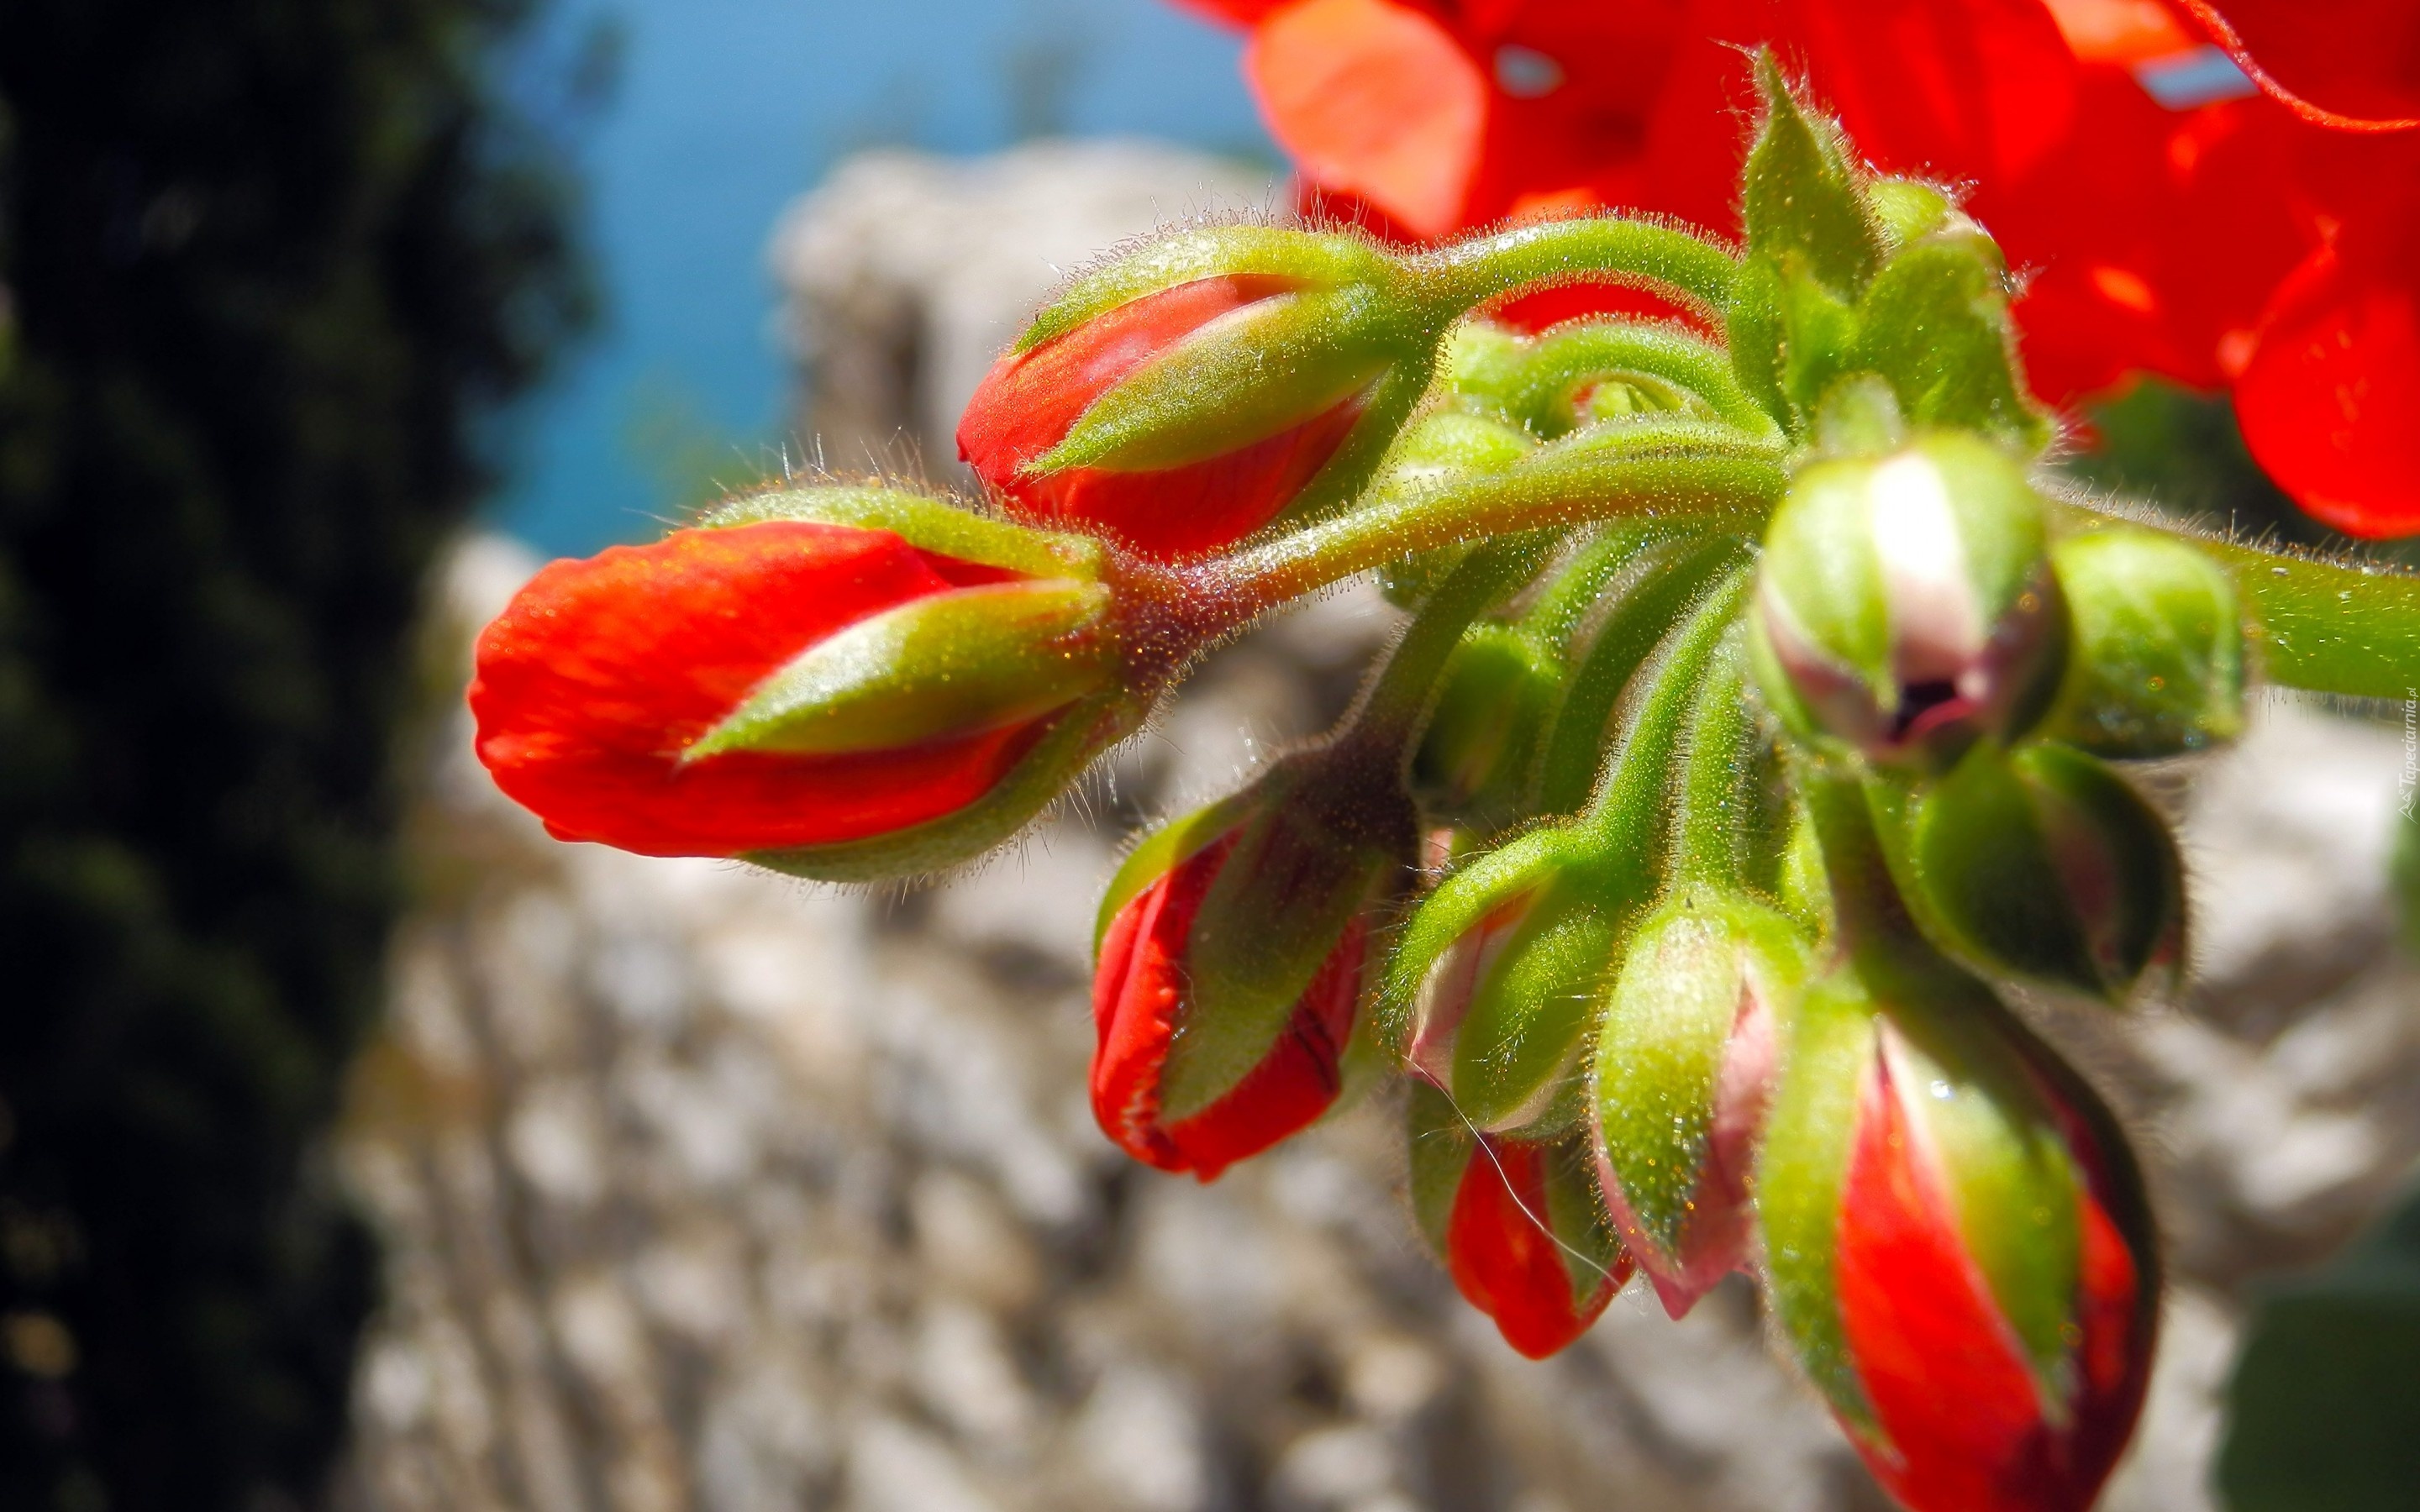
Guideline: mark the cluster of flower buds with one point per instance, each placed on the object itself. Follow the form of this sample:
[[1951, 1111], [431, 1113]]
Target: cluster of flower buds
[[1762, 708]]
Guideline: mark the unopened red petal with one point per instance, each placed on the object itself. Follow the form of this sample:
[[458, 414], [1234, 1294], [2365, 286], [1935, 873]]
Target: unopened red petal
[[1505, 1260], [1295, 1083], [604, 670], [1138, 989]]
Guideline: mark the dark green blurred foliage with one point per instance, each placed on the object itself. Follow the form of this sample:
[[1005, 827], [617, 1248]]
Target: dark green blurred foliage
[[2324, 1409], [271, 265]]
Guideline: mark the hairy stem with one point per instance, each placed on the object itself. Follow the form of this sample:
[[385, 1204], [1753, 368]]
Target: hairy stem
[[1395, 704], [1675, 262], [1693, 472]]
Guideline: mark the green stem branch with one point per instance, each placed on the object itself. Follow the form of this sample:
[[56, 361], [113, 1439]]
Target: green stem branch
[[1395, 704], [1475, 272], [1703, 474]]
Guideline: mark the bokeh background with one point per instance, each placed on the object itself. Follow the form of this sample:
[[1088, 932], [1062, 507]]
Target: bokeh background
[[360, 1146]]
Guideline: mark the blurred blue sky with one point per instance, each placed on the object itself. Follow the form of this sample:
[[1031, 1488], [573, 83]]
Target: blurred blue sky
[[719, 112]]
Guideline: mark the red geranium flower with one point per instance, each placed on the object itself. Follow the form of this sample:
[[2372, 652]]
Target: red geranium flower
[[2154, 201]]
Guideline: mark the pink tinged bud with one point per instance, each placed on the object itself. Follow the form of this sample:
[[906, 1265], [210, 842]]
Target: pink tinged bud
[[1906, 605], [1145, 998], [1197, 486], [1446, 994], [2001, 1350], [1685, 1063]]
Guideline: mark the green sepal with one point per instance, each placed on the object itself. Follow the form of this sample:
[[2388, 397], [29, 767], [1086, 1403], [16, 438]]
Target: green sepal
[[2045, 864], [1316, 850], [1801, 194], [1935, 323], [1532, 1009], [1819, 341], [1802, 1171], [1752, 331], [1164, 850], [1315, 258], [1800, 886], [1668, 1025], [2157, 663], [951, 664], [1440, 1145], [1585, 1240], [1906, 210], [1498, 879], [1247, 376], [927, 523], [1057, 756]]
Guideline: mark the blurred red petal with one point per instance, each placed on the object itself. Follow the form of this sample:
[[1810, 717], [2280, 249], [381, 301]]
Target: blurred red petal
[[2152, 239], [1952, 88], [1375, 99], [2330, 403], [1232, 12], [2352, 66], [2123, 32]]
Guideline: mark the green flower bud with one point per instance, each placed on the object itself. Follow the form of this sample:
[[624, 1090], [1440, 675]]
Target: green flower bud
[[1517, 1224], [1958, 1249], [1232, 953], [2044, 862], [2157, 667], [1482, 367], [1906, 605], [1504, 1003], [1685, 1058]]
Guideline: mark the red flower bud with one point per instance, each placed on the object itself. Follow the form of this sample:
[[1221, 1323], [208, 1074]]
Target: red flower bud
[[1518, 1223], [1183, 473], [1142, 995], [1233, 953], [1970, 1418], [1957, 1245], [599, 685]]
